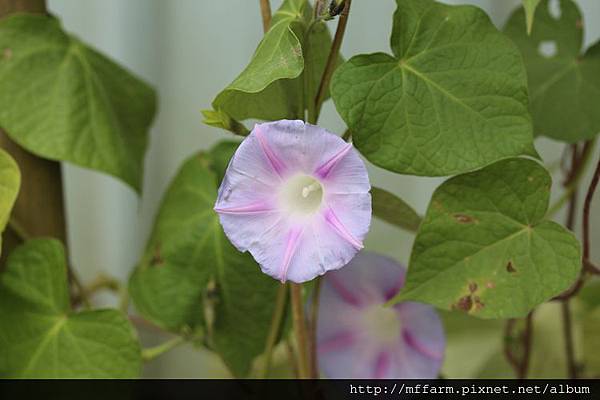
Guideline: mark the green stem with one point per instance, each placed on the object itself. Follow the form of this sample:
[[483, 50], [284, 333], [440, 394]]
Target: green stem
[[265, 12], [300, 330], [18, 229], [314, 317], [332, 59], [574, 181], [275, 329], [152, 352]]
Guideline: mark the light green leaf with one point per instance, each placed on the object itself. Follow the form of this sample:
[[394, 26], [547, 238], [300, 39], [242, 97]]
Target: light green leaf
[[284, 74], [41, 337], [220, 119], [530, 6], [484, 247], [262, 89], [191, 277], [394, 210], [564, 83], [451, 99], [62, 100], [10, 181]]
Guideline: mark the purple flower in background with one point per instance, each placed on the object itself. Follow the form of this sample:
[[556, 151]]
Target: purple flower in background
[[297, 198], [357, 337]]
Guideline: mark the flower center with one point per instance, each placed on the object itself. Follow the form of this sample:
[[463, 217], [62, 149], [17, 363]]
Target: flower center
[[302, 194], [382, 323]]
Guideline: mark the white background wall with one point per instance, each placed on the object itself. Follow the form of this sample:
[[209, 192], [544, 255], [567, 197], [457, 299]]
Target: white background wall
[[189, 50]]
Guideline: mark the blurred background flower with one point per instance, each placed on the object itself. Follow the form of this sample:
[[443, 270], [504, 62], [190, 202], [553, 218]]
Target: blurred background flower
[[358, 337]]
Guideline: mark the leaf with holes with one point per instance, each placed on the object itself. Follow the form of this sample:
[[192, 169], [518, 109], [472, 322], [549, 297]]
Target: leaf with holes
[[485, 248], [451, 99], [62, 100], [192, 278], [564, 82], [392, 209], [530, 6], [10, 181], [273, 85], [42, 337]]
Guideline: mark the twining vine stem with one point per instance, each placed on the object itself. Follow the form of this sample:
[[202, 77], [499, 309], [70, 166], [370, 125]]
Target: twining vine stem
[[265, 12], [332, 59], [576, 164], [313, 321], [153, 352], [275, 328], [586, 215], [573, 178], [300, 330], [520, 365]]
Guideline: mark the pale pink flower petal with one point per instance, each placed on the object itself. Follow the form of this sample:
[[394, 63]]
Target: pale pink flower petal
[[357, 337], [297, 198]]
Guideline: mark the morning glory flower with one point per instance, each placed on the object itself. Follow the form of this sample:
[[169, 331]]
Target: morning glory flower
[[357, 337], [297, 198]]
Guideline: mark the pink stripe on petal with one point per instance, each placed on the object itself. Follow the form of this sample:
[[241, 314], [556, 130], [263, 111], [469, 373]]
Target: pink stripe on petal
[[341, 290], [255, 208], [276, 163], [341, 230], [394, 290], [337, 342], [290, 248], [410, 340], [323, 170], [382, 365]]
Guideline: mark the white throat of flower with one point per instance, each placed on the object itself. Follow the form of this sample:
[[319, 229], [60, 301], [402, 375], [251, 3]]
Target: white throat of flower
[[382, 323], [301, 195]]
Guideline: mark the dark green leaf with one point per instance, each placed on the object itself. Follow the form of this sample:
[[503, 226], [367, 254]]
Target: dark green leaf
[[394, 210], [41, 337], [484, 247], [451, 99], [564, 83], [62, 100], [192, 277]]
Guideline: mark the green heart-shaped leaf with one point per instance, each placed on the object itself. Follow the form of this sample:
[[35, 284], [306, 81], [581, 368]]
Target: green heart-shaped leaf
[[62, 100], [191, 277], [452, 98], [564, 83], [41, 337], [485, 248]]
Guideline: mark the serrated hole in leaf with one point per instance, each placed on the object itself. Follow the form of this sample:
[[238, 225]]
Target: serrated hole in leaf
[[547, 48]]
